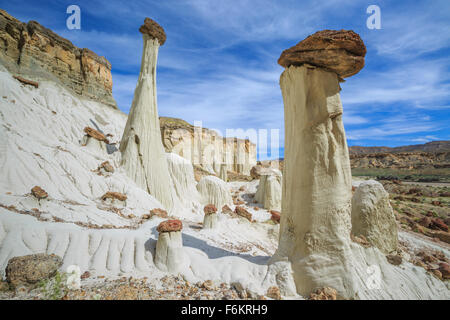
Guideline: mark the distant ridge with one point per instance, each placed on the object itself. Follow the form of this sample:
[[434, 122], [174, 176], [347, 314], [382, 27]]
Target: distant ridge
[[431, 147]]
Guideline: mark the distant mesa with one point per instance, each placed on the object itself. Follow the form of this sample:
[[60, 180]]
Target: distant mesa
[[340, 51], [154, 30]]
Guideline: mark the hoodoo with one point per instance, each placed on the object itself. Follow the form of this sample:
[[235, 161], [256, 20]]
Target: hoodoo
[[316, 220], [169, 255], [373, 217], [210, 219], [269, 189], [143, 155]]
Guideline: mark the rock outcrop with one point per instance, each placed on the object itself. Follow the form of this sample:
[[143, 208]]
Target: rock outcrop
[[182, 174], [373, 217], [214, 191], [206, 148], [269, 189], [316, 210], [143, 155], [169, 255], [210, 219], [340, 51], [31, 50], [223, 174], [39, 193], [31, 269], [406, 161]]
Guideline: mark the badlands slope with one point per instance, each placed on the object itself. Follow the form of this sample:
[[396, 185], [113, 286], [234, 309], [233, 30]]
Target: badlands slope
[[41, 145]]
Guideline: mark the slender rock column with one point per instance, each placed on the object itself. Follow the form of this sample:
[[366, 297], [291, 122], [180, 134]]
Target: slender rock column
[[143, 155], [169, 255], [223, 172], [316, 220], [210, 219]]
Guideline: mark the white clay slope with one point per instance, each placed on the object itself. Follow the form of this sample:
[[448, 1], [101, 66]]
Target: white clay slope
[[214, 191]]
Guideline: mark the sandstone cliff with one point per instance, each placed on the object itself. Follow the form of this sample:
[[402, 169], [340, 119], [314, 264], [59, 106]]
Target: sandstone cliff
[[31, 50], [206, 148]]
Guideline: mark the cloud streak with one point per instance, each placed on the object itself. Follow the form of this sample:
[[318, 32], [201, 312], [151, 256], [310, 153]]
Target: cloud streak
[[219, 63]]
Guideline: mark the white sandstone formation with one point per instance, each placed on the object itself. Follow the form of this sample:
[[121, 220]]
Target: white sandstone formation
[[169, 255], [316, 221], [214, 191], [223, 172], [315, 225], [269, 189], [210, 219], [272, 195], [182, 174], [373, 217], [143, 155], [207, 148]]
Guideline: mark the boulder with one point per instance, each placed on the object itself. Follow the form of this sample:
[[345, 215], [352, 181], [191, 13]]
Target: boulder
[[210, 209], [32, 268], [154, 30], [114, 196], [340, 51], [439, 224], [95, 134], [326, 293], [241, 211], [394, 259], [39, 193], [159, 213], [373, 217], [227, 210], [107, 167], [273, 293], [444, 268], [275, 216], [170, 226]]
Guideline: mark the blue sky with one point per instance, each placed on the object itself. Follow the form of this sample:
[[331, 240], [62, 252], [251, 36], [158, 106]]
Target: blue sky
[[219, 63]]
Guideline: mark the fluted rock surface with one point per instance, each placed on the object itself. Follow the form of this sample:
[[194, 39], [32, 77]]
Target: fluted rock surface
[[214, 191], [316, 220], [143, 156], [32, 50]]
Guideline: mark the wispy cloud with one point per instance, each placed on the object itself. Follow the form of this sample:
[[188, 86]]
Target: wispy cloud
[[219, 63]]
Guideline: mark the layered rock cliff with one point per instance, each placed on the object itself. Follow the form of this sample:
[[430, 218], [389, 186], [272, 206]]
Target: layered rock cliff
[[33, 51], [206, 148]]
